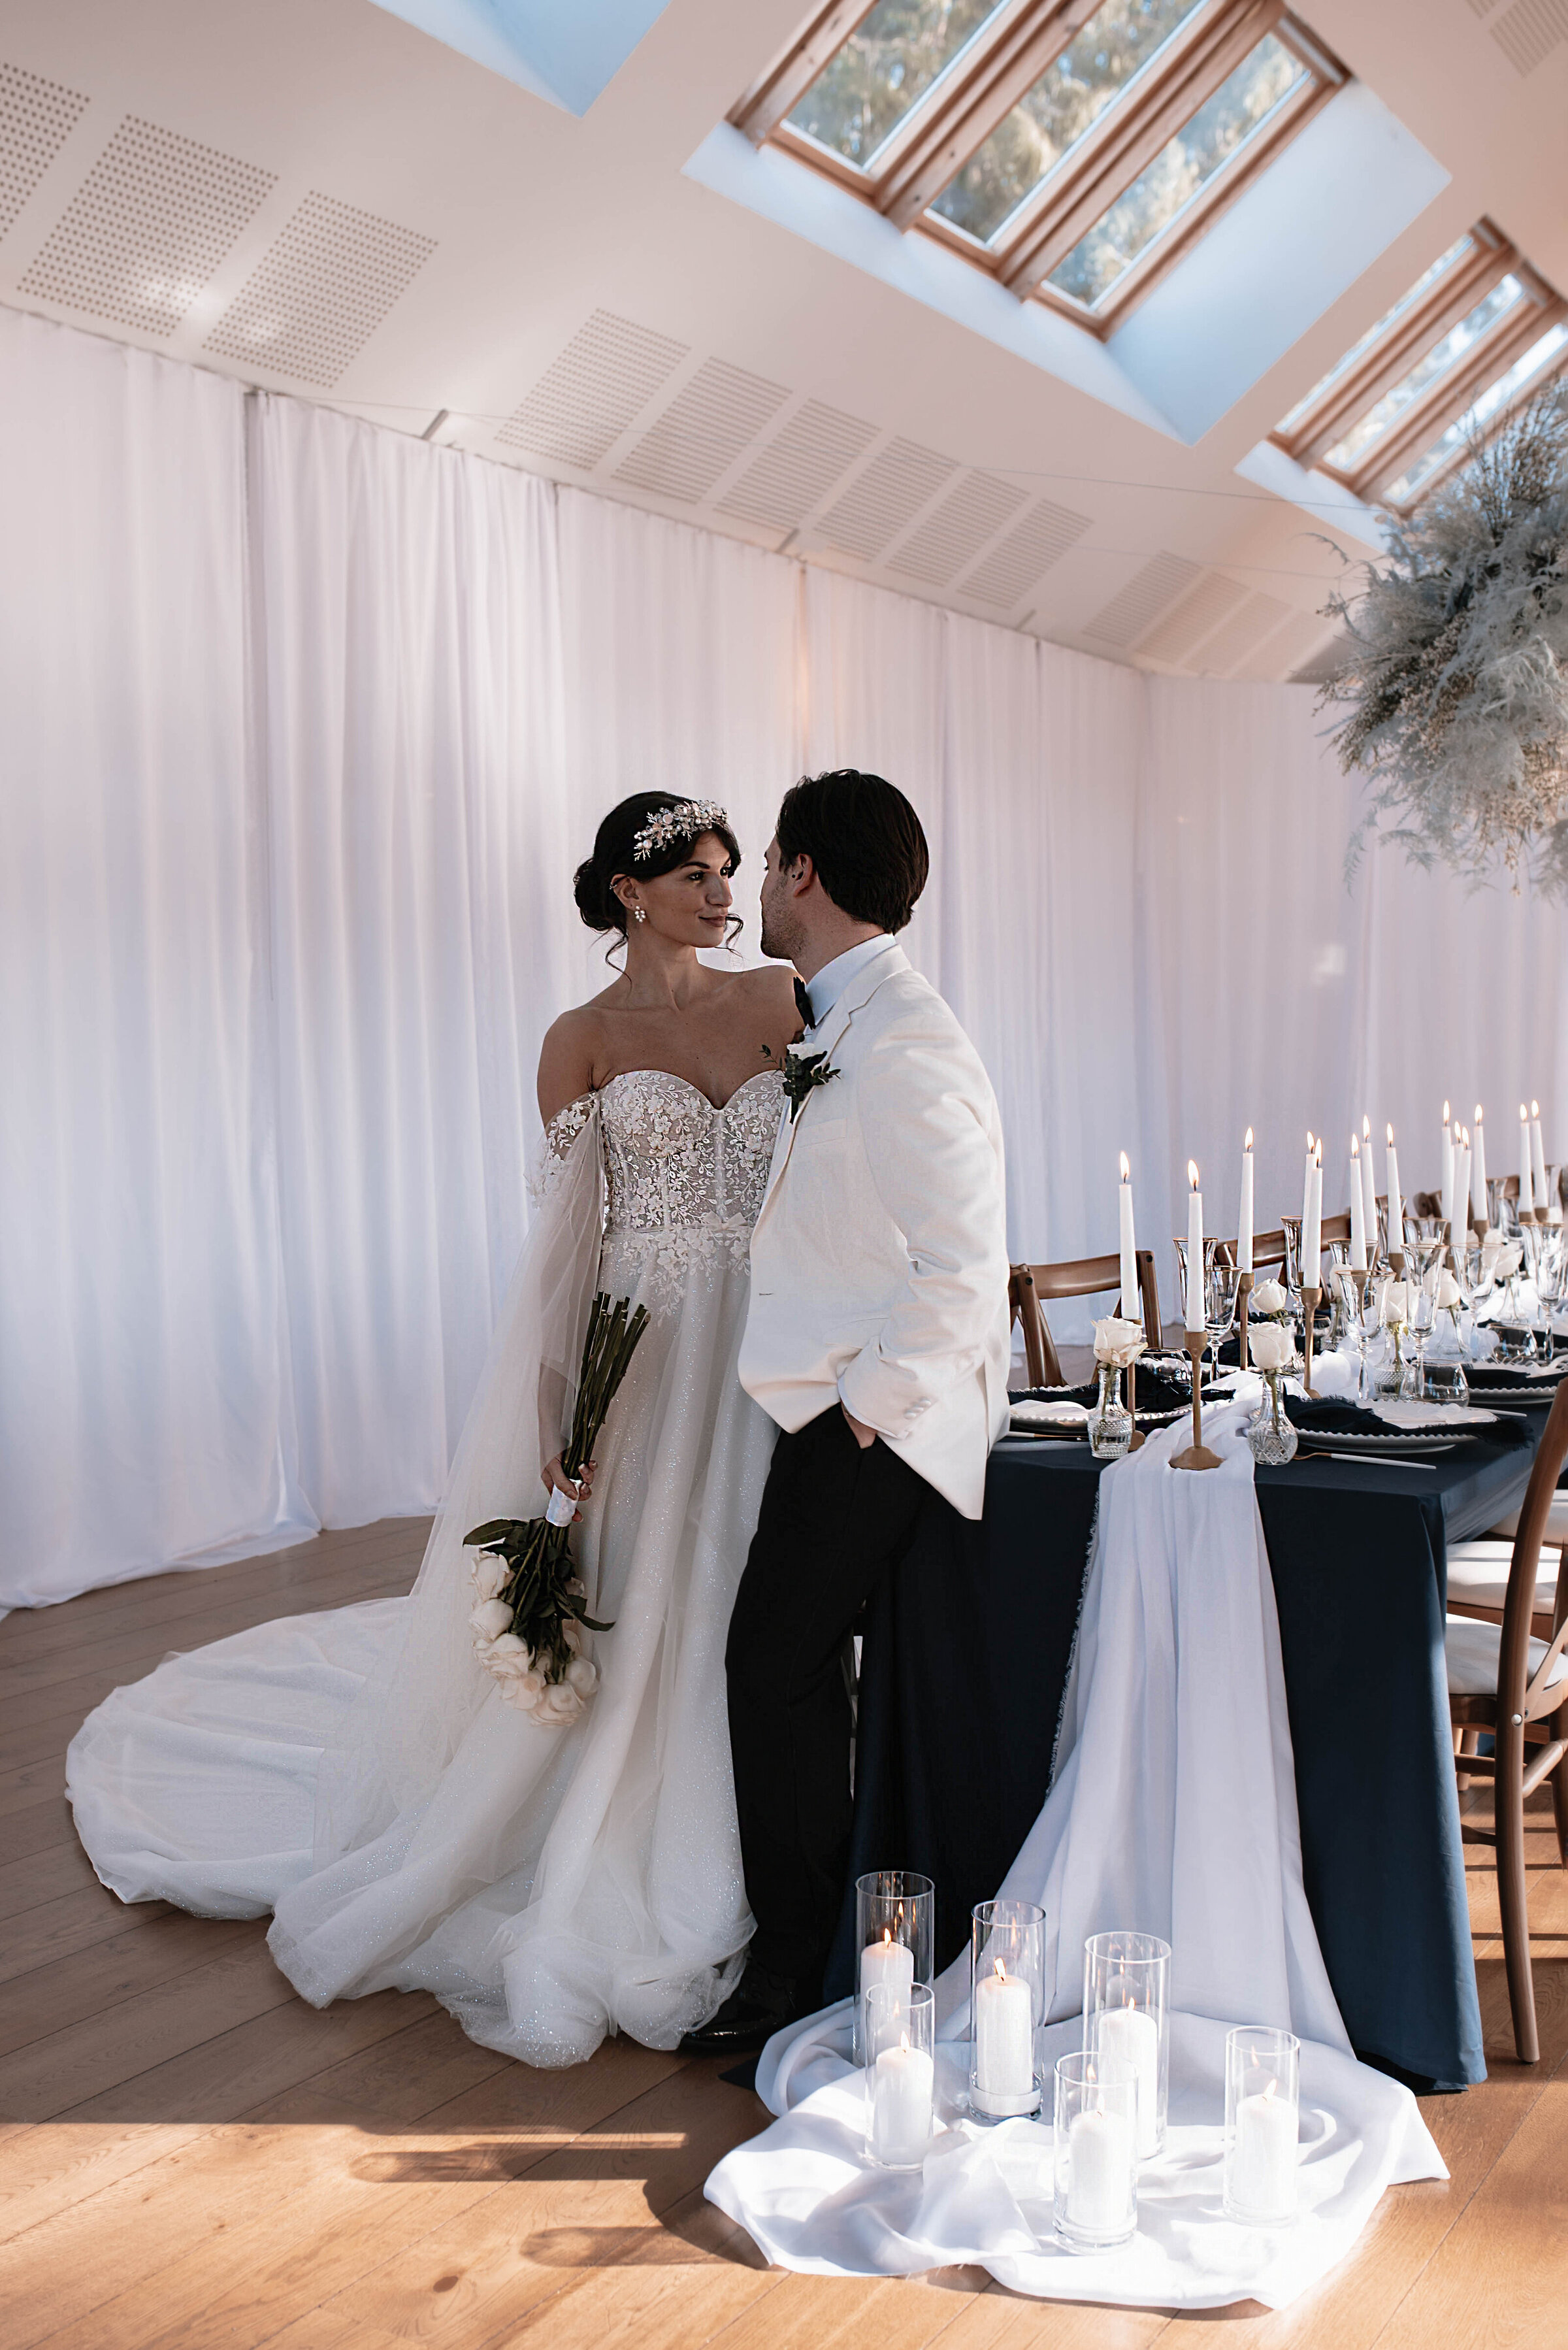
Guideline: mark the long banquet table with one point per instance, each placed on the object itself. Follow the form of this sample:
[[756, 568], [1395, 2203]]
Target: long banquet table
[[965, 1663]]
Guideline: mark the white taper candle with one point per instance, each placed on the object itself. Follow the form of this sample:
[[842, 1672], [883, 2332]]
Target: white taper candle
[[1195, 1319]]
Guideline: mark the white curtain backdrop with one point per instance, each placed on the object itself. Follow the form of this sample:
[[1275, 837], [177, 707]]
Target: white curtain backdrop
[[307, 724]]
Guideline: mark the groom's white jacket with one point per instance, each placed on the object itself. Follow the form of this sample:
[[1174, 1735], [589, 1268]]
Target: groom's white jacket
[[880, 1257]]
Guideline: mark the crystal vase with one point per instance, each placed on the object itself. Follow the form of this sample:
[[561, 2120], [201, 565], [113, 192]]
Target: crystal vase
[[1272, 1438], [1110, 1422]]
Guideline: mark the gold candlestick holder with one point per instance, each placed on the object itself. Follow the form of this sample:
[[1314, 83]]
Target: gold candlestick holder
[[1309, 1315], [1480, 1228], [1137, 1437], [1197, 1455], [1243, 1291]]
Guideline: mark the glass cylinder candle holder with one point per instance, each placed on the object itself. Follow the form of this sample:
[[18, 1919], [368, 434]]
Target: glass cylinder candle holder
[[895, 1934], [900, 2074], [1126, 2021], [1007, 1982], [1262, 2107], [1095, 2153]]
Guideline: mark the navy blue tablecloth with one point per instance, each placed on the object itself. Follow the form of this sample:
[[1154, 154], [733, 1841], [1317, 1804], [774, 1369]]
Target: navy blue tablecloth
[[965, 1662]]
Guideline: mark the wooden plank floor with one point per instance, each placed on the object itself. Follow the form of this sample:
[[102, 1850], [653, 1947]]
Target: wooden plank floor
[[189, 2156]]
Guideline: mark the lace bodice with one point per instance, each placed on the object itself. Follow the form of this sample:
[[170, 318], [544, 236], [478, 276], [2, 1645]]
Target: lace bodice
[[682, 1178]]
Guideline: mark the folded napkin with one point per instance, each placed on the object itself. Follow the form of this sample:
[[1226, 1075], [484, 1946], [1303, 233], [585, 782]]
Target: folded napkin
[[1520, 1375], [1325, 1417], [1434, 1416]]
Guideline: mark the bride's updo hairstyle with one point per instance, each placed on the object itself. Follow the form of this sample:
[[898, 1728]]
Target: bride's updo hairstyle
[[615, 852]]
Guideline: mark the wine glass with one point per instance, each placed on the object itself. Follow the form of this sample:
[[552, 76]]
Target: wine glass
[[1550, 1282], [1219, 1290]]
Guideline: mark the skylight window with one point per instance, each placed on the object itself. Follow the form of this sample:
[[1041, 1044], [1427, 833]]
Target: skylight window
[[1401, 405], [1071, 152], [1428, 278], [890, 63], [1216, 135], [1491, 408], [1346, 454], [1094, 72]]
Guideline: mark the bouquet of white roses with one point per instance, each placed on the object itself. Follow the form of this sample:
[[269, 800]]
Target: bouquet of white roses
[[529, 1619]]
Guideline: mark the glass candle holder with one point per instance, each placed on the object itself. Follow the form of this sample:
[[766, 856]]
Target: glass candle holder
[[1095, 2153], [900, 2074], [1262, 2108], [1126, 2021], [895, 1920], [1007, 1982]]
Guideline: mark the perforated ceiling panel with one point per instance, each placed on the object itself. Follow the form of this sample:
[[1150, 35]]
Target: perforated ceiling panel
[[796, 472], [1186, 623], [315, 300], [147, 228], [1135, 606], [1529, 32], [888, 496], [594, 393], [1031, 547], [36, 117], [953, 536], [702, 432]]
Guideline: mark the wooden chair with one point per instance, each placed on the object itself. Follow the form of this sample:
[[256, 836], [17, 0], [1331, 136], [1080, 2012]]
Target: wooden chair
[[1510, 1681], [1268, 1251], [1085, 1276]]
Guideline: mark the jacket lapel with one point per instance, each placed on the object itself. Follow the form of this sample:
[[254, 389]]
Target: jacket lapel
[[826, 1039]]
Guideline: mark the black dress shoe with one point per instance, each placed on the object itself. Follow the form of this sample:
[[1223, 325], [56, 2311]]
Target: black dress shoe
[[760, 2005]]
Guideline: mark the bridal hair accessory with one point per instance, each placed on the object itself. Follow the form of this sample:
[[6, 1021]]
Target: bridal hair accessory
[[529, 1619], [684, 821], [803, 1073]]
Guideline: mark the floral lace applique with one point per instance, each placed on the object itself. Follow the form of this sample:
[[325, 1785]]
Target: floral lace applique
[[685, 1179], [560, 1136]]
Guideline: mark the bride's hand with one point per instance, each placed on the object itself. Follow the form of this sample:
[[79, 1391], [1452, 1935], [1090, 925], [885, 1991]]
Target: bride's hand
[[556, 1479]]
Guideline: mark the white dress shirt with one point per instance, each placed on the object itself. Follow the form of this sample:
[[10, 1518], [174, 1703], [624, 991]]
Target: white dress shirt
[[833, 977]]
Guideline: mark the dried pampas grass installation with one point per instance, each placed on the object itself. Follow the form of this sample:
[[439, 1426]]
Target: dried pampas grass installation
[[1456, 676]]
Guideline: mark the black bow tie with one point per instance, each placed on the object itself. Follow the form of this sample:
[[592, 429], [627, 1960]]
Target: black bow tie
[[802, 1004]]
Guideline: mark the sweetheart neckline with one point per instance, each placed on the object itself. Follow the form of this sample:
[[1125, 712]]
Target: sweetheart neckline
[[718, 1109]]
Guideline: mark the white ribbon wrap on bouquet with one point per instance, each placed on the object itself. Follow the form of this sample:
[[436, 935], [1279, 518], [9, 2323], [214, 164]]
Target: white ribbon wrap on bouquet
[[1172, 1811]]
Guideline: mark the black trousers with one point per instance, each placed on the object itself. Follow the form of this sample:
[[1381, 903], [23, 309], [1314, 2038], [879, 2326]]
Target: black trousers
[[834, 1520]]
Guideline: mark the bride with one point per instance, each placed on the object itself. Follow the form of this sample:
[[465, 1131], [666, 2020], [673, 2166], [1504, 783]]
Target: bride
[[356, 1772]]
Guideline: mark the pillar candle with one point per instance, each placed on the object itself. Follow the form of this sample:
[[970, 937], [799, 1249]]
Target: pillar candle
[[1478, 1169], [1526, 1187], [1369, 1187], [1538, 1158], [901, 2105], [1447, 1182], [887, 1966], [1396, 1204], [1357, 1209], [1003, 2035], [1132, 1303], [1100, 2182], [1130, 2037], [1263, 2159], [1244, 1219], [1195, 1300]]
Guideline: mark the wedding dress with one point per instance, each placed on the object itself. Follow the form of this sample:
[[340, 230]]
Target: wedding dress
[[357, 1772]]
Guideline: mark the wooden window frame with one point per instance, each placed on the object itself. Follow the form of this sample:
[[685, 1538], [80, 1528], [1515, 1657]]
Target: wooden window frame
[[1456, 390], [972, 95], [1521, 398]]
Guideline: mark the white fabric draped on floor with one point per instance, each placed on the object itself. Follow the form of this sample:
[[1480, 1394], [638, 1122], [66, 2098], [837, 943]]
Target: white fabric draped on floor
[[1168, 1813], [307, 724]]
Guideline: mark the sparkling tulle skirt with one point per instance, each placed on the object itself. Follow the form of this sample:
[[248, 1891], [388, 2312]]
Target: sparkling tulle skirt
[[353, 1772]]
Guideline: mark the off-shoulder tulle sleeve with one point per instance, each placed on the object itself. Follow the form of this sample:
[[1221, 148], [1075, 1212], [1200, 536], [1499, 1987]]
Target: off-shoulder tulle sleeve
[[408, 1722]]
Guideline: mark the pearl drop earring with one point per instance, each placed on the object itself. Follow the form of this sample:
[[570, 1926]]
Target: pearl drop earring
[[641, 912]]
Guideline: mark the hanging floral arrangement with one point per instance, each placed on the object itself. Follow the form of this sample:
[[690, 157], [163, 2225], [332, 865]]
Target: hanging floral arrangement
[[1456, 670]]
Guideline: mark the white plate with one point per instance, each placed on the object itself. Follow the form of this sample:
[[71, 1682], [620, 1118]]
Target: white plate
[[1413, 1418], [1322, 1439]]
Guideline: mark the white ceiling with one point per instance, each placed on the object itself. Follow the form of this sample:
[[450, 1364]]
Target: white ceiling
[[316, 184]]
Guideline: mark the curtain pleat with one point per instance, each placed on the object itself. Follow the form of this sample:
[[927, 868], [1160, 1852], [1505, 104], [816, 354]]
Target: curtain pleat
[[306, 725]]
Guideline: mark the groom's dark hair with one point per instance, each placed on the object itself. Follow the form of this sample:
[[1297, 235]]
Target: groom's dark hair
[[864, 841]]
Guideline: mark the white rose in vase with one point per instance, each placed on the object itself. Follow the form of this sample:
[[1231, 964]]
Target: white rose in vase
[[1273, 1348], [1395, 1303], [1449, 1293], [1118, 1343], [1268, 1297]]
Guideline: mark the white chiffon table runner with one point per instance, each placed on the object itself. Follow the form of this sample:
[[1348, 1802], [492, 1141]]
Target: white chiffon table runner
[[1172, 1811]]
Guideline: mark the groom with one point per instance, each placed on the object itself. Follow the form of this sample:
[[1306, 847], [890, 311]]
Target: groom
[[877, 1339]]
